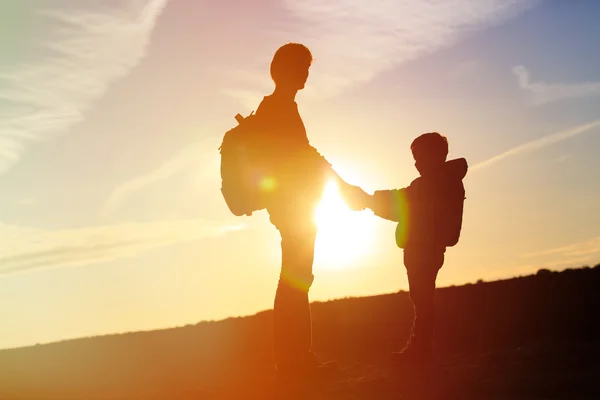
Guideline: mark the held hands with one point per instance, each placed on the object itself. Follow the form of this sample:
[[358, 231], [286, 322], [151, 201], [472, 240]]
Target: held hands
[[356, 198]]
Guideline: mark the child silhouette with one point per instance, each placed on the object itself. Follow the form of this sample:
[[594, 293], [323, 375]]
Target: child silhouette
[[429, 215]]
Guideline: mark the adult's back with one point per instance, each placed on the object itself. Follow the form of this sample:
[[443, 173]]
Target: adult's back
[[297, 172]]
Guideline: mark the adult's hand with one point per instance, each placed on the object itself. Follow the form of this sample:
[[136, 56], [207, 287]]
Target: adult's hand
[[356, 198]]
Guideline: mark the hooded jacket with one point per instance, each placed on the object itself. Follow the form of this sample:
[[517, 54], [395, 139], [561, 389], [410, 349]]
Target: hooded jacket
[[429, 211]]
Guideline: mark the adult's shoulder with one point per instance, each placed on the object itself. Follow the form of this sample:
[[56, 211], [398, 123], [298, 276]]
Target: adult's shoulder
[[264, 104], [276, 104], [273, 106]]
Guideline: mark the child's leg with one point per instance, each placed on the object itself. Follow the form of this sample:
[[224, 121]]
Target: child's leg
[[422, 269]]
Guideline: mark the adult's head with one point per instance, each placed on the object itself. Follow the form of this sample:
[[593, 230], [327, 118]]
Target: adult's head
[[290, 65], [429, 151]]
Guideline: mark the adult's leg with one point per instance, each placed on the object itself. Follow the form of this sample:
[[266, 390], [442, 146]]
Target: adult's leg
[[292, 319]]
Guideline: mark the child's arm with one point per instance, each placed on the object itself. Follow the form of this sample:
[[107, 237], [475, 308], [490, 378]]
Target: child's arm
[[389, 204]]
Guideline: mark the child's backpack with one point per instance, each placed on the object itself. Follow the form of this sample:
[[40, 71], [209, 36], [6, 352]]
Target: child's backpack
[[452, 201], [453, 215], [429, 208], [240, 177]]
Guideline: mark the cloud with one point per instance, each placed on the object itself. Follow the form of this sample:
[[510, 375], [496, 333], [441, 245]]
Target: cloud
[[562, 158], [584, 248], [202, 154], [80, 56], [25, 249], [542, 92], [586, 252], [583, 253], [538, 144], [353, 41]]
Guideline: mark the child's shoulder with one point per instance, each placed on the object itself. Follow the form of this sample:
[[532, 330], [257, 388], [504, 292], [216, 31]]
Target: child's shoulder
[[425, 186]]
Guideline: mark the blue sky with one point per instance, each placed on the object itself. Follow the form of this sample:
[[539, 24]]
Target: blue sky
[[111, 218]]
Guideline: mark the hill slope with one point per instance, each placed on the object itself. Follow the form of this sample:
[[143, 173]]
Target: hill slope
[[528, 337]]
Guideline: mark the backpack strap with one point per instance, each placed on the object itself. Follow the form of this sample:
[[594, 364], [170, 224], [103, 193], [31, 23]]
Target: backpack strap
[[239, 118]]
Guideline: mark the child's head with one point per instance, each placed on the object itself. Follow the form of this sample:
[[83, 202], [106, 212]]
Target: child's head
[[429, 151]]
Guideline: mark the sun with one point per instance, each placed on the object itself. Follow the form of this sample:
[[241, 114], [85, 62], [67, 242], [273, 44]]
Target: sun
[[344, 236]]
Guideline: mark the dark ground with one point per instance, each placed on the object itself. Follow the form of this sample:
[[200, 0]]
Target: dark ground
[[534, 337]]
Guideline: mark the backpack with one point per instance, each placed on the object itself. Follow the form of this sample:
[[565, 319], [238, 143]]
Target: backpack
[[444, 221], [433, 209], [240, 175], [453, 215]]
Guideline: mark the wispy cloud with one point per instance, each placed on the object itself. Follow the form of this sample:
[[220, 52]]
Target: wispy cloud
[[85, 51], [586, 252], [562, 158], [202, 154], [586, 247], [353, 41], [573, 255], [25, 249], [539, 143], [542, 92]]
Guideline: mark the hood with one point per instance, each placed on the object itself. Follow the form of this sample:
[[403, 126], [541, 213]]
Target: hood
[[456, 169]]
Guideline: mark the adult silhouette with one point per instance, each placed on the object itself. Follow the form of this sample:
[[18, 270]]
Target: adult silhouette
[[298, 174]]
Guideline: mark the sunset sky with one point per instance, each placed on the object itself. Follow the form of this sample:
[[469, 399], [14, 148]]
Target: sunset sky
[[111, 217]]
